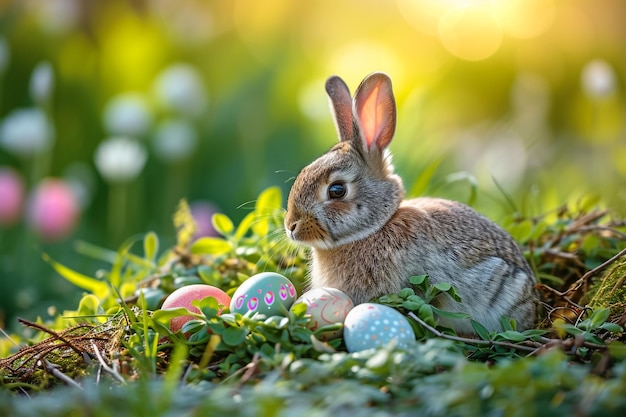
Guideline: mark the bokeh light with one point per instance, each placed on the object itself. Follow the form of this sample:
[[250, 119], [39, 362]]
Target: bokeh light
[[470, 32], [135, 104]]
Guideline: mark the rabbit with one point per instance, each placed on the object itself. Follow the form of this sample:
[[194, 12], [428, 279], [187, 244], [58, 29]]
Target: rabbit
[[348, 206]]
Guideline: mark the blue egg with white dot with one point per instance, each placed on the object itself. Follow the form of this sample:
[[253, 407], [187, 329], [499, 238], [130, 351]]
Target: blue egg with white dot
[[369, 326]]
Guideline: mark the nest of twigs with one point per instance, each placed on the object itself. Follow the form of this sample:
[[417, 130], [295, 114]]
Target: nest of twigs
[[588, 256], [63, 356]]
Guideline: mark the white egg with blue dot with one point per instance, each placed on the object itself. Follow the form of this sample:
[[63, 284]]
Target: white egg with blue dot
[[372, 325]]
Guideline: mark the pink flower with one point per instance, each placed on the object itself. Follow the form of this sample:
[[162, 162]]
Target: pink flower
[[53, 209], [11, 196]]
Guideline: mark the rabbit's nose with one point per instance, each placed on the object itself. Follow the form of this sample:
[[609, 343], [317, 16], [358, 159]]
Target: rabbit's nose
[[292, 226]]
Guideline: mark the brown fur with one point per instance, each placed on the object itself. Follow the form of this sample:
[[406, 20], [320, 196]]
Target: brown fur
[[369, 242]]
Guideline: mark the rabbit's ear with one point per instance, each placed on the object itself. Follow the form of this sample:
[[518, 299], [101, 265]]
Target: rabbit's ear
[[341, 105], [375, 108]]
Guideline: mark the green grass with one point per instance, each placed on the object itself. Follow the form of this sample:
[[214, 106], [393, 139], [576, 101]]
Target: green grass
[[115, 354]]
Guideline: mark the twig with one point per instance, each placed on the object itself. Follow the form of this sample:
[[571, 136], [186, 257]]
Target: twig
[[247, 371], [558, 294], [5, 334], [104, 365], [252, 368], [52, 333], [467, 340], [586, 219], [600, 228], [544, 342], [565, 255], [52, 368], [576, 286], [583, 343]]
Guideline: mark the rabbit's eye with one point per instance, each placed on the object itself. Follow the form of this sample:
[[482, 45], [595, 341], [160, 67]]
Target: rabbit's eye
[[337, 190]]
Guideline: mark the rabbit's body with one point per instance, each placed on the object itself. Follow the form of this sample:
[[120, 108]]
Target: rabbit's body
[[367, 241], [471, 253]]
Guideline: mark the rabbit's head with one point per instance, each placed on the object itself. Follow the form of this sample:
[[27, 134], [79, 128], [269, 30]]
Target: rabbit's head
[[351, 191]]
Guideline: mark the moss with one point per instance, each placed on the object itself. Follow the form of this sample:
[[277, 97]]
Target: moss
[[67, 354], [610, 290]]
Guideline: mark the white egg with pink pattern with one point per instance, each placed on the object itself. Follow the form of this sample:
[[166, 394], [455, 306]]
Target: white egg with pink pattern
[[326, 306]]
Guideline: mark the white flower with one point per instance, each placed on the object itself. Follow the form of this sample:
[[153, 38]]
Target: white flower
[[127, 115], [598, 79], [174, 140], [5, 54], [26, 132], [57, 16], [120, 159], [42, 83], [180, 89]]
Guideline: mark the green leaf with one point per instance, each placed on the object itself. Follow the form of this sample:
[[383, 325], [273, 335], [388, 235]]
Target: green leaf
[[115, 275], [412, 304], [482, 332], [139, 261], [612, 327], [88, 305], [222, 224], [234, 336], [151, 246], [98, 288], [455, 315], [597, 318], [418, 279], [268, 203], [512, 336], [211, 246], [455, 295], [534, 333], [166, 315], [521, 231], [230, 319], [425, 313], [245, 225], [95, 252], [568, 328], [443, 286], [194, 326], [590, 337], [299, 309], [277, 321], [406, 293], [269, 200], [208, 305]]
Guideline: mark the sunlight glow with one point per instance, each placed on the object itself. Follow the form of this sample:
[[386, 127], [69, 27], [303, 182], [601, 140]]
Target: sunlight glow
[[473, 29], [524, 19], [470, 32]]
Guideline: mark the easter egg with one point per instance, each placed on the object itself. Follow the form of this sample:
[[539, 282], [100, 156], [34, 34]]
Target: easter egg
[[326, 306], [371, 325], [266, 293], [183, 297]]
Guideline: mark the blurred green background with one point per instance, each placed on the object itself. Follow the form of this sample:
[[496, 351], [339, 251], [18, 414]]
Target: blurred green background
[[132, 105]]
